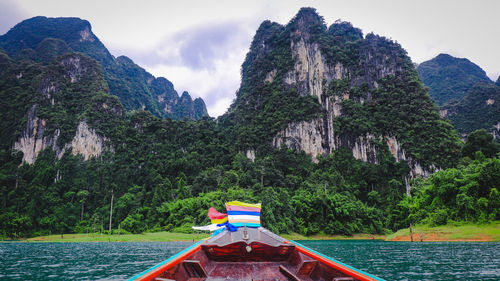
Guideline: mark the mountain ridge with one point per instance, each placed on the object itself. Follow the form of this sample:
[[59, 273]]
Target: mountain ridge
[[42, 39], [438, 74], [465, 94]]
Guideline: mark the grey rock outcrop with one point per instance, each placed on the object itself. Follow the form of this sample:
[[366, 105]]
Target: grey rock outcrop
[[34, 140], [86, 142]]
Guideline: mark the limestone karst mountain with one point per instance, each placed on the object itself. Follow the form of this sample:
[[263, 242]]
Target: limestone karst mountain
[[63, 106], [449, 78], [466, 96], [41, 39], [319, 89]]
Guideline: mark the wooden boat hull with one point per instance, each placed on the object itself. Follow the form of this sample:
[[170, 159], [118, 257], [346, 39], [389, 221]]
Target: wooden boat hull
[[251, 254]]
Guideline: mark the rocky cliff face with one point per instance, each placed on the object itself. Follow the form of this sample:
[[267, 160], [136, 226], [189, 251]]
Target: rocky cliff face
[[69, 98], [311, 75], [363, 86], [496, 131], [33, 140], [86, 142]]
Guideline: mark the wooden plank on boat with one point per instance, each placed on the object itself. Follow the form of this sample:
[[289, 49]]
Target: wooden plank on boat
[[194, 268], [307, 267], [288, 274]]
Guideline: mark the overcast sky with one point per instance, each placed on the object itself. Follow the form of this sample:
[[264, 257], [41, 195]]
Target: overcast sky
[[200, 45]]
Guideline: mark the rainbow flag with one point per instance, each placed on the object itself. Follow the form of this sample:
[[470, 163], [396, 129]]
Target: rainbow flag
[[240, 214]]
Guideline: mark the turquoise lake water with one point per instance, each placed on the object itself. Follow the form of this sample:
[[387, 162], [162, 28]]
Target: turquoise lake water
[[118, 261]]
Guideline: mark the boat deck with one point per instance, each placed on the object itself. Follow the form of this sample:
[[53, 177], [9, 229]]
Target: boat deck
[[247, 271], [296, 266], [250, 254]]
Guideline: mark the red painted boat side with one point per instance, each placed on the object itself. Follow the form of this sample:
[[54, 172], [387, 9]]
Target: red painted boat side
[[157, 271]]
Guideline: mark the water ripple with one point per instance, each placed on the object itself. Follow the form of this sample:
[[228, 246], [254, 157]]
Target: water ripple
[[417, 261], [118, 261]]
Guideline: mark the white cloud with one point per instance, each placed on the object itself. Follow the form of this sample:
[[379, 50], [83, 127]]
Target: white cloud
[[216, 86], [10, 15], [205, 61]]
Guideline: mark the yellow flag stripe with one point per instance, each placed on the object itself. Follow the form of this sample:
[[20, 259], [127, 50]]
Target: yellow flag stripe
[[217, 221], [243, 204]]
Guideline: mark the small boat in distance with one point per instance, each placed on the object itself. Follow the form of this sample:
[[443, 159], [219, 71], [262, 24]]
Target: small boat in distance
[[251, 254]]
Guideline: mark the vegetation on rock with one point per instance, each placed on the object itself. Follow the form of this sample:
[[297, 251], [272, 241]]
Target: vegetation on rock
[[467, 193], [467, 97], [479, 109], [449, 78], [164, 174]]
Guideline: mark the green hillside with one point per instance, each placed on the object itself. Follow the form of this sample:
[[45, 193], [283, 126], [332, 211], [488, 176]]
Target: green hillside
[[479, 109], [466, 96], [449, 78]]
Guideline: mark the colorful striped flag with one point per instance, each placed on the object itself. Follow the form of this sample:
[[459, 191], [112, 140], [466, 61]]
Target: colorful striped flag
[[241, 214]]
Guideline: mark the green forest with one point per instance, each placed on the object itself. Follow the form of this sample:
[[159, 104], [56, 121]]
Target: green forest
[[163, 174], [168, 188]]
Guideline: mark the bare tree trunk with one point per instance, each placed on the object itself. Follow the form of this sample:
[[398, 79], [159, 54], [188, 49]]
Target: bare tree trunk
[[111, 210], [262, 177], [81, 215], [411, 233]]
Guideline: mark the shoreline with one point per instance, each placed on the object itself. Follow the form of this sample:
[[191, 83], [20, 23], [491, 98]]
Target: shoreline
[[447, 233], [450, 233]]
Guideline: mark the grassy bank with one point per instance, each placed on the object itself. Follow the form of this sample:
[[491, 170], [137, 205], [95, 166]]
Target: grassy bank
[[358, 236], [170, 236], [144, 237], [450, 232]]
